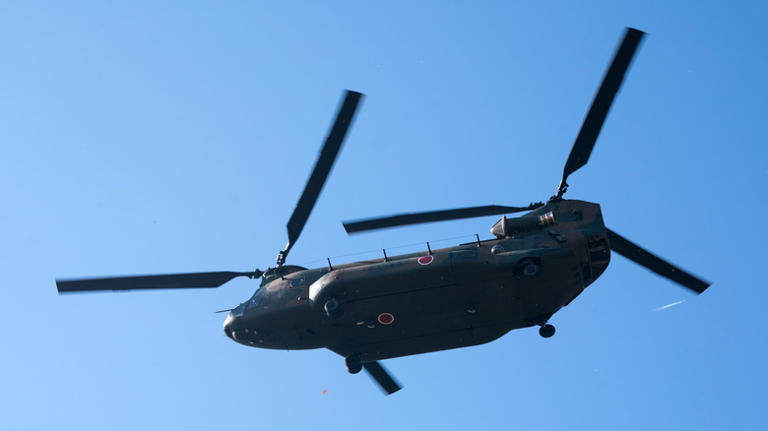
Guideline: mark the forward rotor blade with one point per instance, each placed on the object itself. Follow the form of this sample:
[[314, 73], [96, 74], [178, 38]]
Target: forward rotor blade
[[322, 168], [166, 281], [432, 216], [635, 253], [382, 377], [601, 104]]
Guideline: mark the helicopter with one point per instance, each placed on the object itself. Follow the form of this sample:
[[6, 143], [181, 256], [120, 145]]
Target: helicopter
[[440, 299]]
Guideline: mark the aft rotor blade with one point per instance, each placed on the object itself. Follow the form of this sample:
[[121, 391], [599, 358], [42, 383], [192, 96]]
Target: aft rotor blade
[[165, 281], [322, 167], [635, 253], [382, 377], [601, 104], [432, 216]]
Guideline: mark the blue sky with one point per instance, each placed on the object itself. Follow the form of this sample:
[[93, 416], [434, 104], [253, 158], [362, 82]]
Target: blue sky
[[149, 138]]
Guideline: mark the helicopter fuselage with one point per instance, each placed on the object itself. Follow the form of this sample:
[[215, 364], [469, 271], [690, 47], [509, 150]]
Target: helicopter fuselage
[[423, 302]]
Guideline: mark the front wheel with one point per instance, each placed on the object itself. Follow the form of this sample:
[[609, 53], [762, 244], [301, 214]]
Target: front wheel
[[353, 364]]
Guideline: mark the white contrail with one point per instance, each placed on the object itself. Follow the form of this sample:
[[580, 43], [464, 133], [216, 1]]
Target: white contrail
[[664, 307]]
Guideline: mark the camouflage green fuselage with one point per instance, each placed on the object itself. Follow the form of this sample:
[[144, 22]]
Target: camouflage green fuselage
[[460, 296]]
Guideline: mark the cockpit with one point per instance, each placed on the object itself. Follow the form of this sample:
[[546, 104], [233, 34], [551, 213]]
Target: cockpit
[[269, 276], [253, 302]]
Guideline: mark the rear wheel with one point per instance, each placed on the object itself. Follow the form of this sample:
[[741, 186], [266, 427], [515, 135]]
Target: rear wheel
[[547, 331]]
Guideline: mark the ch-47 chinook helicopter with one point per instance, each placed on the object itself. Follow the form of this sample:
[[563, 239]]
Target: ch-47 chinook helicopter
[[439, 299]]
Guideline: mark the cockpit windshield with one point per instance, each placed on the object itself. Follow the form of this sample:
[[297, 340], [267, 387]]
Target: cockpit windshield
[[238, 311], [256, 298], [251, 303]]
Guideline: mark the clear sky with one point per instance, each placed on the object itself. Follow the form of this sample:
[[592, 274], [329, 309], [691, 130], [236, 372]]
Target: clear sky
[[151, 137]]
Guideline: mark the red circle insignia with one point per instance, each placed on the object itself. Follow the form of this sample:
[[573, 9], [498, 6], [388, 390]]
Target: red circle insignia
[[426, 260], [386, 318]]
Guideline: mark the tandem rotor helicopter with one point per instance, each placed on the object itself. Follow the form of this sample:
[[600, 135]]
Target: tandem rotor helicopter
[[435, 300]]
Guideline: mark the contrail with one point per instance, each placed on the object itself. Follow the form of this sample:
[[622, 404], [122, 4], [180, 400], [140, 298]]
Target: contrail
[[664, 307]]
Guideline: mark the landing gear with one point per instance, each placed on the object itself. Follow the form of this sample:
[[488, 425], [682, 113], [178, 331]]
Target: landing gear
[[547, 330], [353, 364]]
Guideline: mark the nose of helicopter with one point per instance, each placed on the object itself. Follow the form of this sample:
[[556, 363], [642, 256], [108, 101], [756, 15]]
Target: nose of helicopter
[[236, 329], [228, 324]]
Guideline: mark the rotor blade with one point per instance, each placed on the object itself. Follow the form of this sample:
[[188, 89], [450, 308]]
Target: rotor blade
[[635, 253], [382, 377], [432, 216], [322, 167], [166, 281], [601, 104]]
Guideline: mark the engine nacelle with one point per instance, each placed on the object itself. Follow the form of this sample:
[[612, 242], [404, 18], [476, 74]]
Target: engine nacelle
[[508, 227]]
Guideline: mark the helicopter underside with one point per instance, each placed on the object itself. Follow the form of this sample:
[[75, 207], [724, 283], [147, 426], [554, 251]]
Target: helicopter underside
[[436, 315], [460, 309], [455, 297]]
